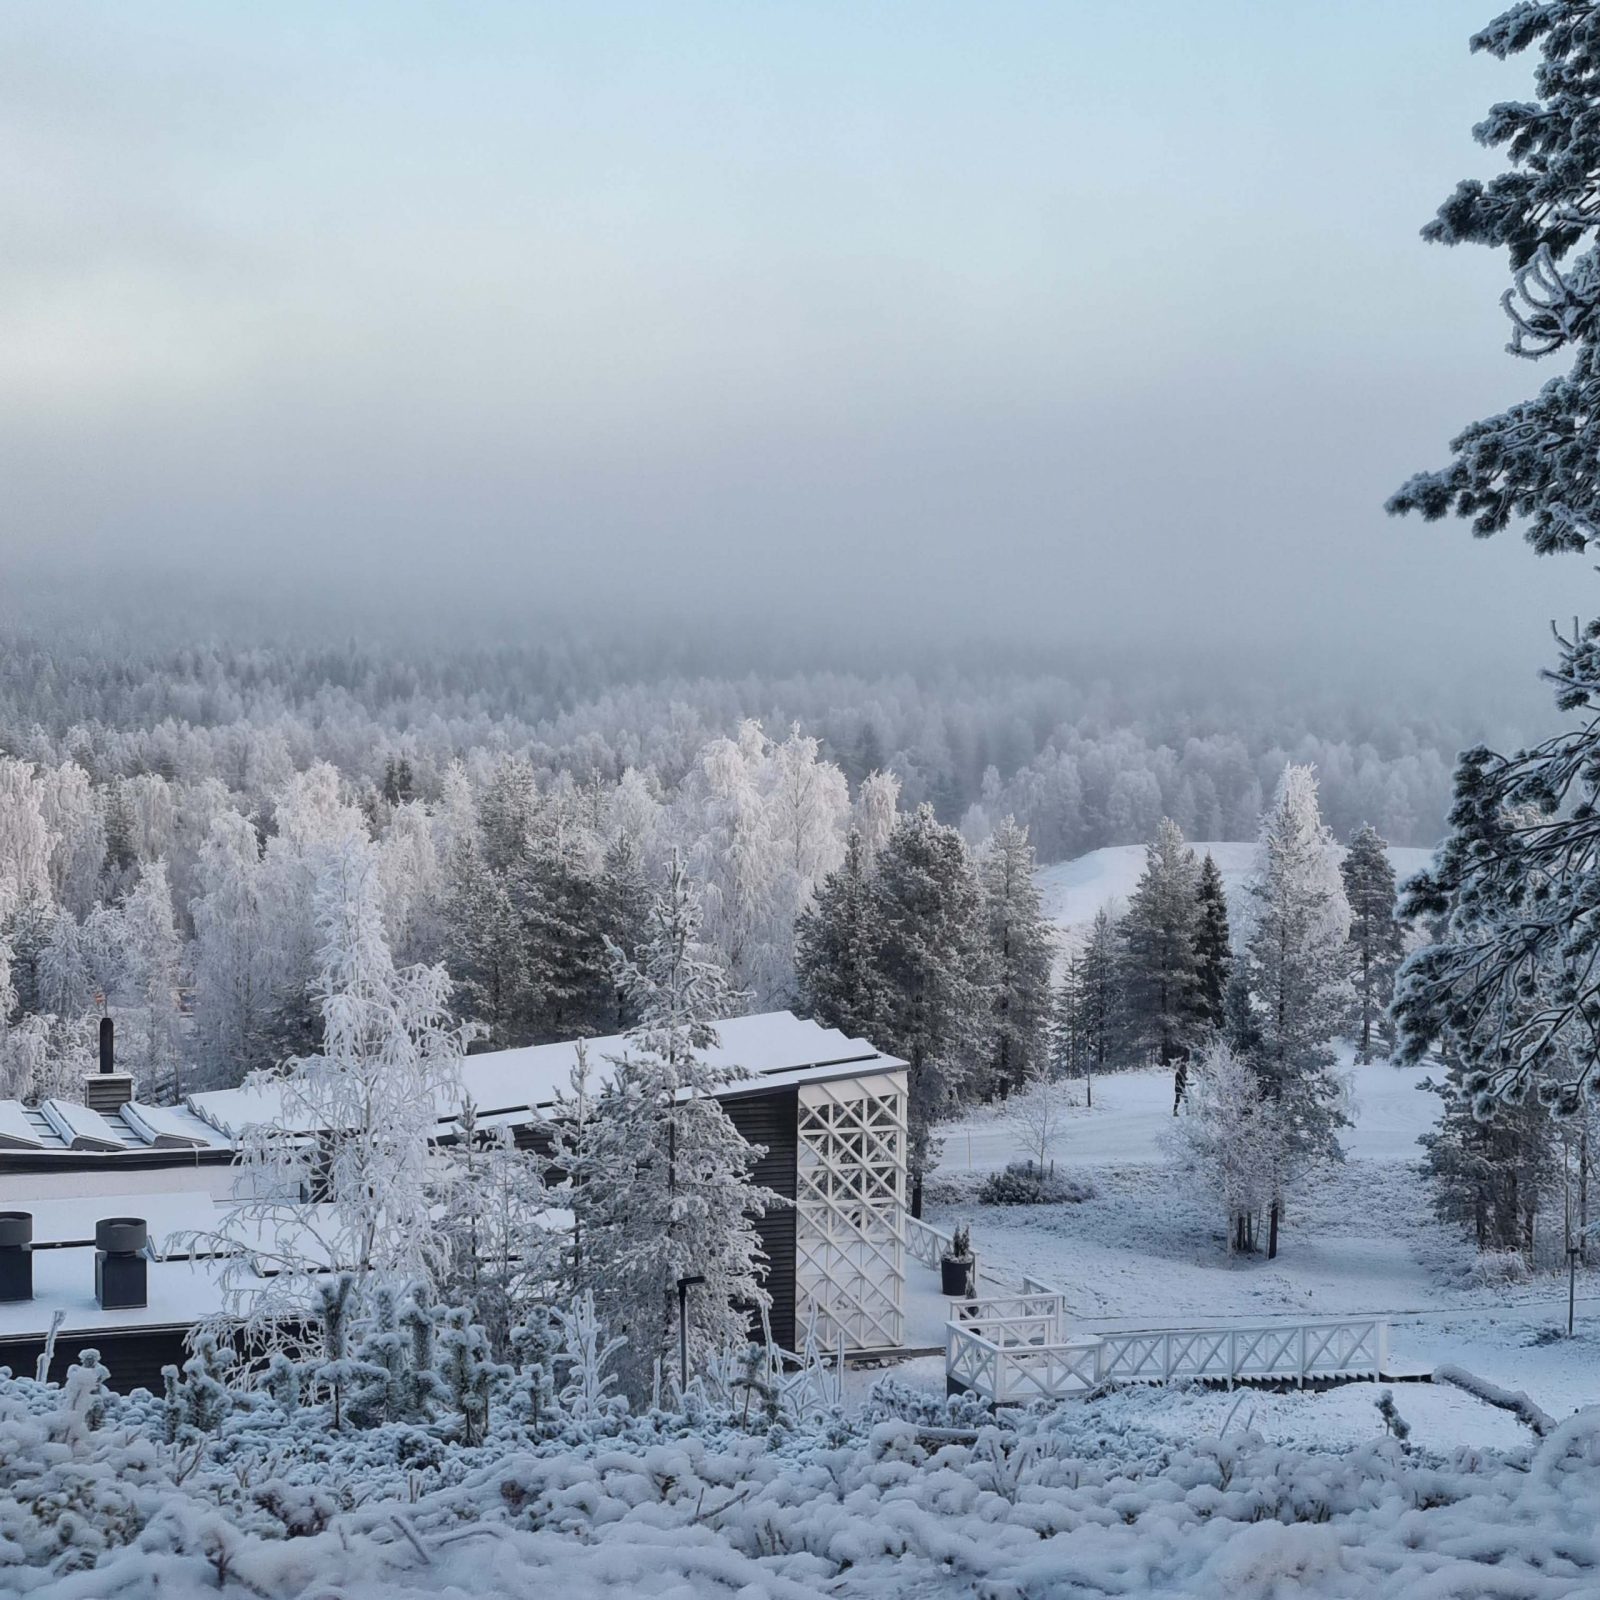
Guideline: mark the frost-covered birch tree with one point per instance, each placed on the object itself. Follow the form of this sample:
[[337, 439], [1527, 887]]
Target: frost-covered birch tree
[[1233, 1139], [153, 970], [25, 839], [349, 1128], [232, 977]]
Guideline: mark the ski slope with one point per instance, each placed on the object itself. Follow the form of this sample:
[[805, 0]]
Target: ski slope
[[1073, 891]]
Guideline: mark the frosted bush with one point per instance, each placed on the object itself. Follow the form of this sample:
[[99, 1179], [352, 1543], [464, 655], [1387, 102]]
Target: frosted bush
[[1496, 1268], [1025, 1183], [912, 1495]]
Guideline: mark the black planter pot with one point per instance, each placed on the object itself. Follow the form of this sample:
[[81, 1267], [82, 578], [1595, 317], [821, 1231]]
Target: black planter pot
[[16, 1255], [956, 1277]]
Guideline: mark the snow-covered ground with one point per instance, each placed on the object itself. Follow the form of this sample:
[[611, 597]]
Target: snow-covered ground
[[1073, 891], [1148, 1251]]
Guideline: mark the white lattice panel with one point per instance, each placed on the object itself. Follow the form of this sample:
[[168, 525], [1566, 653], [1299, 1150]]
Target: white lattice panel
[[850, 1210]]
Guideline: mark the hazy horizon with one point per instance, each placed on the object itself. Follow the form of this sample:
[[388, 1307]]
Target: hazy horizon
[[1073, 325]]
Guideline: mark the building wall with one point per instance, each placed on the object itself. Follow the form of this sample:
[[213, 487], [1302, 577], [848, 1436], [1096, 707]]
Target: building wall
[[850, 1211], [70, 1175], [134, 1357], [770, 1120]]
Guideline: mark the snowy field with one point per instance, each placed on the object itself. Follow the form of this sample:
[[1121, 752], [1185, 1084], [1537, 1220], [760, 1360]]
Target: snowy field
[[1146, 1251], [1073, 891]]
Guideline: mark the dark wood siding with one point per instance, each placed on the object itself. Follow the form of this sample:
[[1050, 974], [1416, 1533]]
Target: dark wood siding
[[31, 1162], [133, 1356], [772, 1120]]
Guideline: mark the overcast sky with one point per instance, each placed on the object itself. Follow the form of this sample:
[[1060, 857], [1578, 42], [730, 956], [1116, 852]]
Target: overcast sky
[[1092, 318]]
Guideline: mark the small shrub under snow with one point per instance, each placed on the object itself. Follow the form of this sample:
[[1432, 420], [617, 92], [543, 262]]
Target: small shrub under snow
[[1025, 1183]]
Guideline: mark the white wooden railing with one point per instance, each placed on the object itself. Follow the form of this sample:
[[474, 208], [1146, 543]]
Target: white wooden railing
[[1340, 1347], [1016, 1372], [925, 1242], [983, 1310], [1008, 1355]]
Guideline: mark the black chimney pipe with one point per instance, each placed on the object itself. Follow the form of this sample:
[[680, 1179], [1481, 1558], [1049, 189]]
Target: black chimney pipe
[[107, 1052]]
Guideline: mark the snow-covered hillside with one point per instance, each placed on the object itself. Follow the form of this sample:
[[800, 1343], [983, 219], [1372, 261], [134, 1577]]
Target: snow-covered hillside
[[1073, 891], [1146, 1250]]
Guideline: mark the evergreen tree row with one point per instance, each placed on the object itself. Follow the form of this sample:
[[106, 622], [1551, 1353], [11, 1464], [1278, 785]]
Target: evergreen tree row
[[938, 957]]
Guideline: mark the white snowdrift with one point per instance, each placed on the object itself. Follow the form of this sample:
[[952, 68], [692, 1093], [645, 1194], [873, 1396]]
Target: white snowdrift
[[1059, 1505]]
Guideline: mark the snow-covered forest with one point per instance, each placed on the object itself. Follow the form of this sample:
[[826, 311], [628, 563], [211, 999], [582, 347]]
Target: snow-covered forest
[[160, 813], [638, 1047]]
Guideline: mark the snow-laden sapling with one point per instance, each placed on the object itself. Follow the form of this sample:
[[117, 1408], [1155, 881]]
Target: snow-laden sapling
[[85, 1393], [757, 1382], [586, 1356], [534, 1346], [196, 1401], [282, 1382], [469, 1373], [1393, 1422]]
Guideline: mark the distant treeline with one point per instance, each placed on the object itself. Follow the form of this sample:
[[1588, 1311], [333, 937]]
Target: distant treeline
[[1085, 755]]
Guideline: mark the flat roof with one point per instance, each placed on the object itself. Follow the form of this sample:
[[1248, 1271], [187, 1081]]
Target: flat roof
[[180, 1293], [775, 1048]]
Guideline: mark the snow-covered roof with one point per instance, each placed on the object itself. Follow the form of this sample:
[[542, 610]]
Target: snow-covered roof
[[179, 1294], [775, 1048], [183, 1276], [166, 1127], [61, 1125], [70, 1219], [22, 1128]]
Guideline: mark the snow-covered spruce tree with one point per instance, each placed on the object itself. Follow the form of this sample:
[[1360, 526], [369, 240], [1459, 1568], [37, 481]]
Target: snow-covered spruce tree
[[1159, 937], [1520, 894], [666, 1186], [936, 990], [1295, 969], [1019, 950], [508, 812], [1233, 1139], [1490, 1175], [1097, 1023], [561, 916], [1067, 1054], [1213, 946], [390, 1065], [483, 946], [624, 909], [838, 947], [1375, 933]]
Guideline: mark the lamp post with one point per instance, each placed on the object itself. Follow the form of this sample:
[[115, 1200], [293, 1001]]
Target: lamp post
[[684, 1286]]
